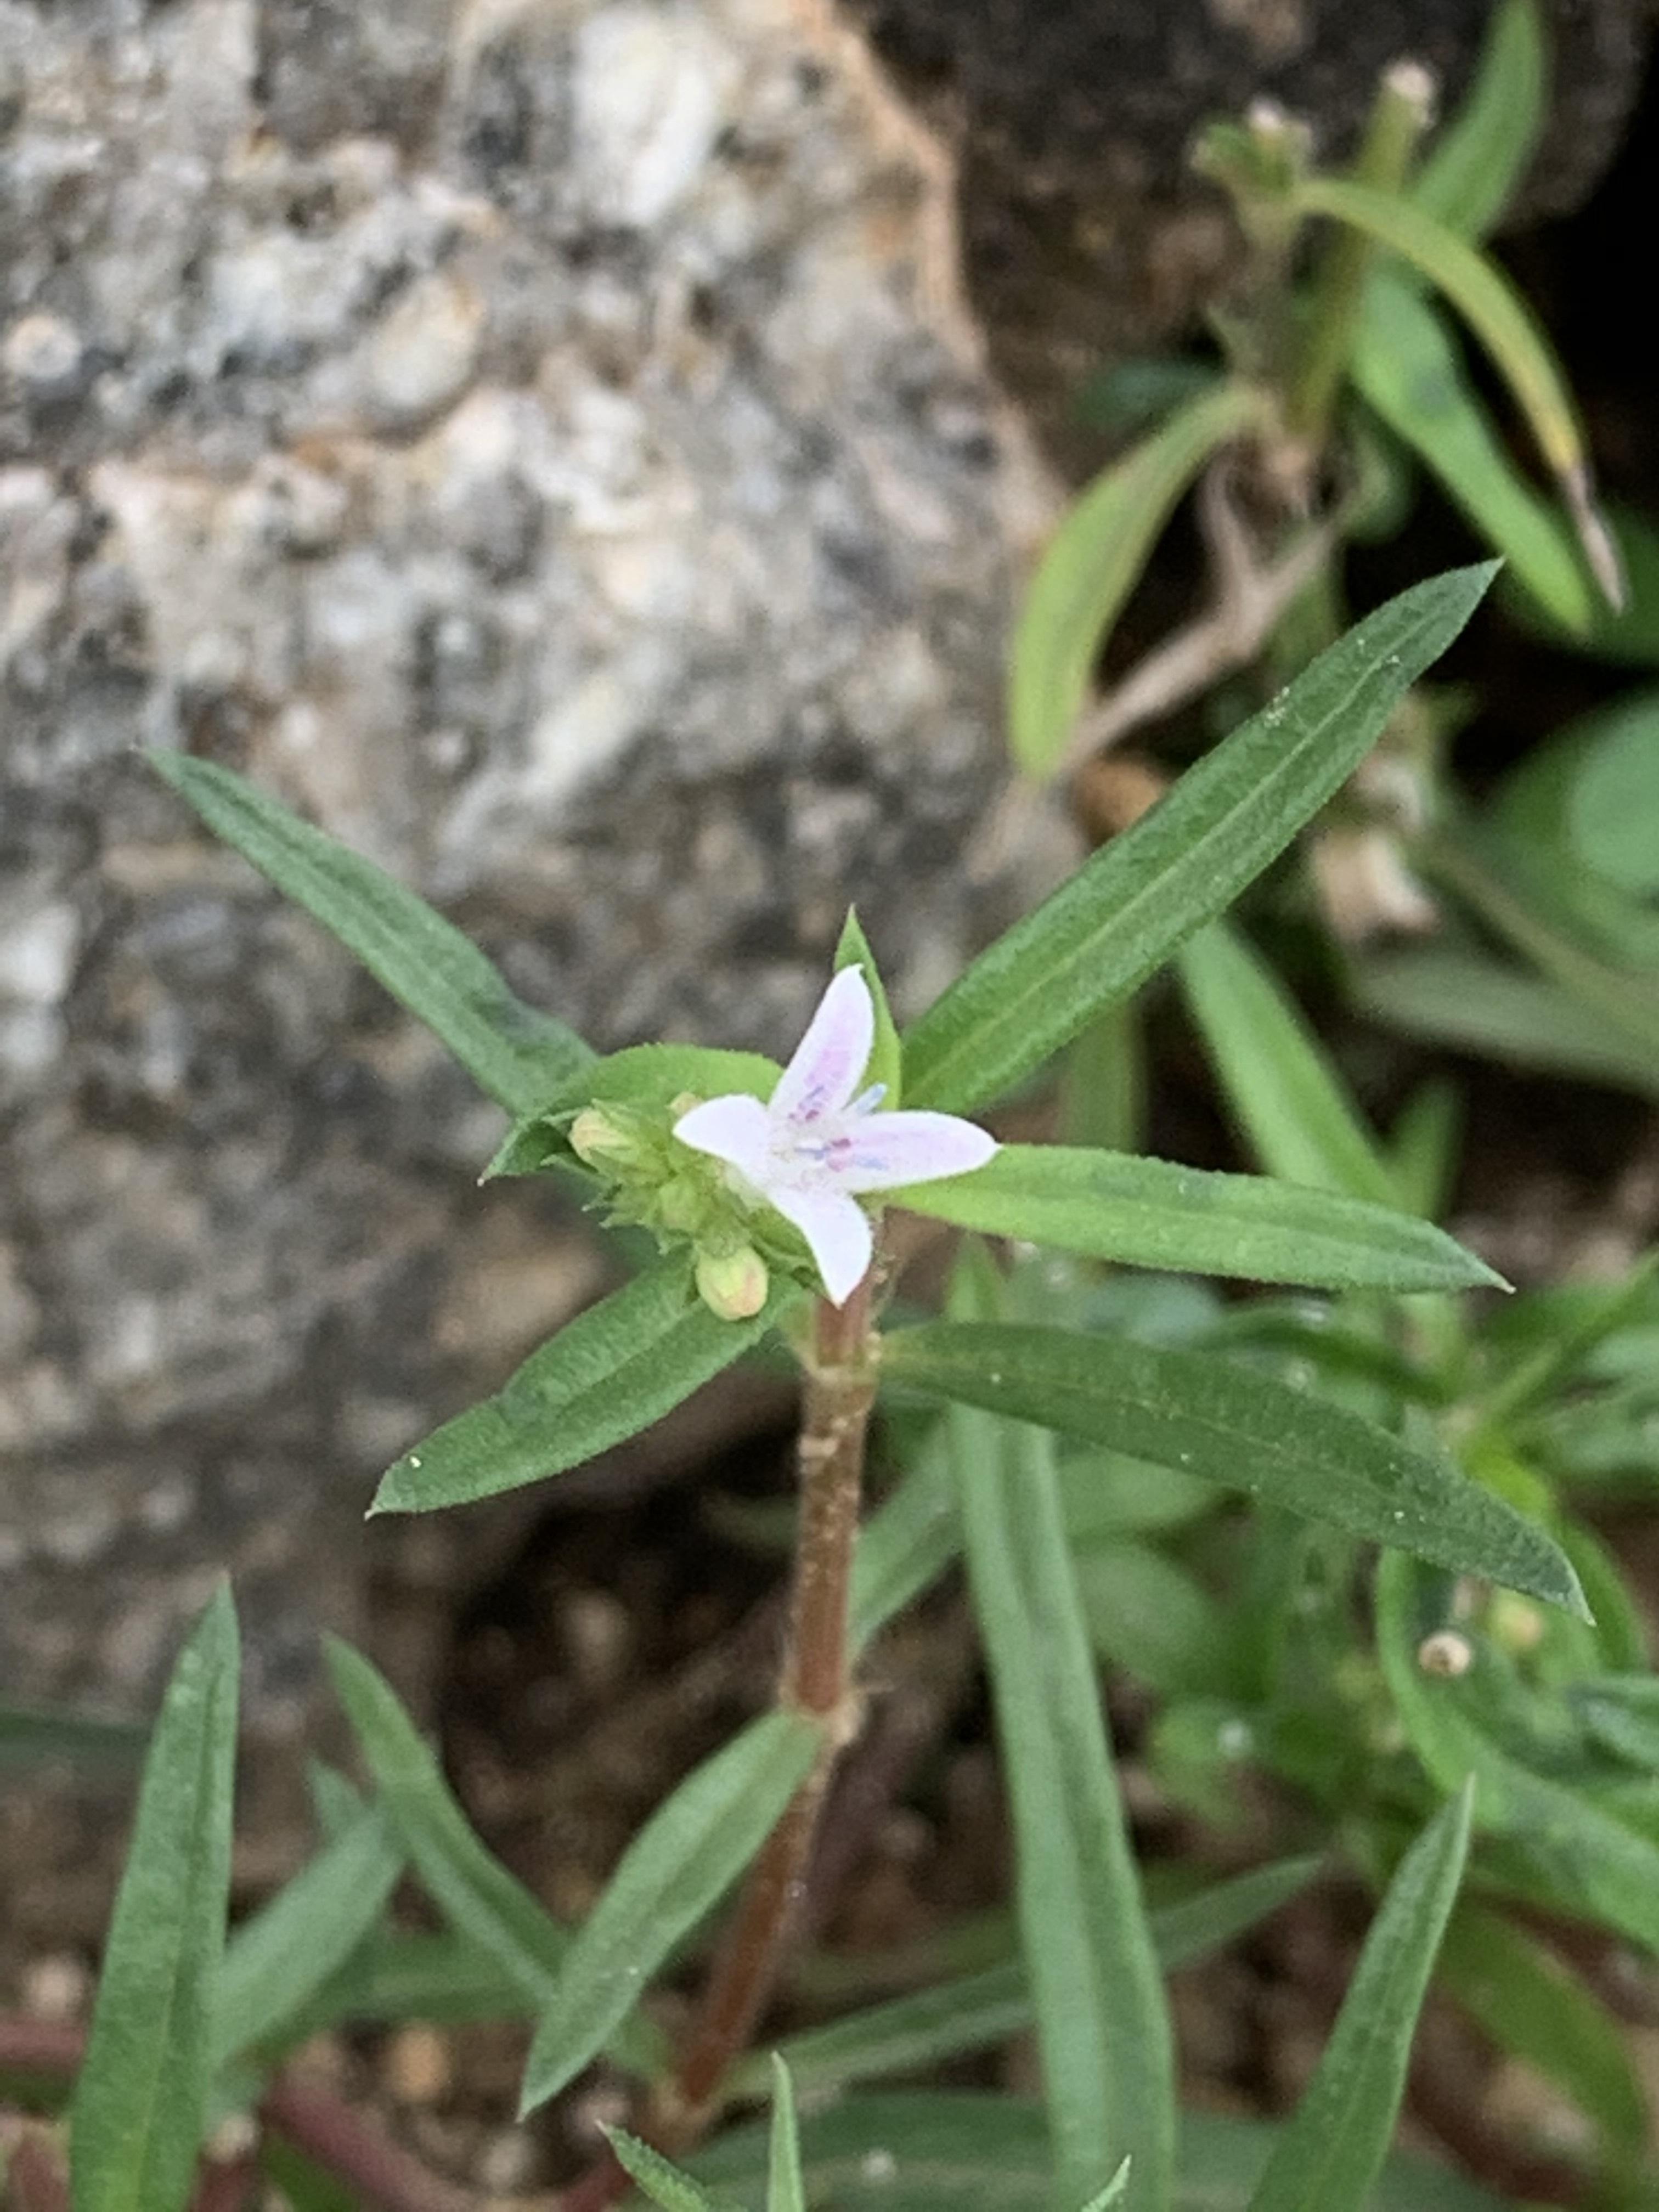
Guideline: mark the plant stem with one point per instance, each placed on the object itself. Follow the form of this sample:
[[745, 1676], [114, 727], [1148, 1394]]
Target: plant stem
[[36, 2179], [349, 2144], [1404, 105], [353, 2147], [840, 1391]]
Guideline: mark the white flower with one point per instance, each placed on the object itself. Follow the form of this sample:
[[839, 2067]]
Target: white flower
[[815, 1146]]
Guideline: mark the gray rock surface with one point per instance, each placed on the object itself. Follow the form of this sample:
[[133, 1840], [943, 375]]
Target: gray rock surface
[[543, 443]]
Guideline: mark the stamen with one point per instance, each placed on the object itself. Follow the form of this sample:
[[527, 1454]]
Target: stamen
[[867, 1100]]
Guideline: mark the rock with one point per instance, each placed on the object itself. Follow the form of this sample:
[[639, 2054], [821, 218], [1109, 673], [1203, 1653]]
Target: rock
[[545, 446], [1085, 234]]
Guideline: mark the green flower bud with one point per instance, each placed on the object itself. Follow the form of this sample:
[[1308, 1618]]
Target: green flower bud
[[733, 1285], [595, 1137], [683, 1204]]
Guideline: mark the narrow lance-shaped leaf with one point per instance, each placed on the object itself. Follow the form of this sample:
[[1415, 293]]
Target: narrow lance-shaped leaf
[[1330, 2154], [1482, 154], [1297, 1113], [1466, 999], [662, 2181], [885, 1066], [963, 2150], [1152, 1214], [610, 1373], [1233, 1426], [1103, 2028], [786, 2191], [676, 1868], [275, 1962], [1536, 2008], [141, 2099], [971, 2012], [1504, 325], [1409, 367], [1130, 907], [1091, 565], [473, 1890], [516, 1054], [1575, 1851]]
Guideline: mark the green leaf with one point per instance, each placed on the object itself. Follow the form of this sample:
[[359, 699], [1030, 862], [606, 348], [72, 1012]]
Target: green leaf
[[30, 1735], [474, 1890], [1152, 1214], [512, 1051], [1191, 1928], [1409, 367], [973, 2011], [1630, 636], [653, 1074], [612, 1371], [1485, 298], [885, 1066], [1127, 396], [1130, 907], [1332, 2152], [1536, 2008], [1621, 1712], [276, 1962], [1424, 1146], [1112, 2192], [663, 2182], [1208, 1416], [1614, 811], [956, 2150], [1103, 2028], [907, 1543], [1582, 1856], [1628, 1004], [1092, 562], [1102, 1093], [1296, 1111], [1481, 157], [1481, 1005], [1153, 1619], [305, 2185], [786, 2191], [398, 1976], [141, 2099], [676, 1868]]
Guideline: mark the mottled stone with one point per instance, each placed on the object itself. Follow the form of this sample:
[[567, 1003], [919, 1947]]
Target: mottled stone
[[545, 444]]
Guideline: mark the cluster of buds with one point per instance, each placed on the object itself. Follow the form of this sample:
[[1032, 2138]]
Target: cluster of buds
[[749, 1183], [653, 1181]]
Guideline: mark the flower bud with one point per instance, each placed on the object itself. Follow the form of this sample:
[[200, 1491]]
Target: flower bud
[[733, 1285], [682, 1203], [595, 1137]]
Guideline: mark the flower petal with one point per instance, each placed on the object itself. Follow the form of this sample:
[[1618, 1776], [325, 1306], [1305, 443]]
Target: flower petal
[[889, 1149], [736, 1129], [831, 1058], [837, 1232]]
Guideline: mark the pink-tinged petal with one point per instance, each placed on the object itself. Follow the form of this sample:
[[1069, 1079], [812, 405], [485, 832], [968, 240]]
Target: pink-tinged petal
[[831, 1058], [736, 1129], [837, 1232], [885, 1150]]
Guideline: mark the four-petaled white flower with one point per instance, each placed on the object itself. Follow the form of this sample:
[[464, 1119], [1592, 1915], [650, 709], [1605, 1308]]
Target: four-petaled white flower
[[814, 1146]]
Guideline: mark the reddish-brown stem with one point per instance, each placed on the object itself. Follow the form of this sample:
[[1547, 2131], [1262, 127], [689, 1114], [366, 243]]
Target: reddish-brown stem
[[225, 2184], [36, 2178], [840, 1390], [350, 2144], [353, 2147], [53, 2047]]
